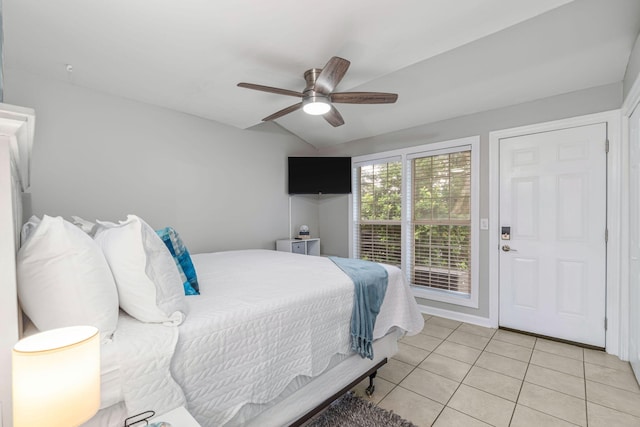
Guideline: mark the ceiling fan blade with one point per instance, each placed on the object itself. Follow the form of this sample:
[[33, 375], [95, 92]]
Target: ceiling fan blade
[[284, 111], [270, 89], [364, 97], [331, 75], [333, 117]]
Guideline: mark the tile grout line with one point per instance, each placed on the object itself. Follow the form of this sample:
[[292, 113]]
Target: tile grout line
[[446, 405], [545, 367], [415, 367], [402, 379], [554, 390], [490, 338], [523, 378], [516, 403], [585, 399], [584, 372], [549, 415]]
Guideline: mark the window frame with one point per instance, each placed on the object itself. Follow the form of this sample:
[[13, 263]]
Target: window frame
[[406, 155]]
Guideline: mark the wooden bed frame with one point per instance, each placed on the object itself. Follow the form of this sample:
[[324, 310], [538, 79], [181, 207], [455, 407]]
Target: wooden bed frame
[[16, 139]]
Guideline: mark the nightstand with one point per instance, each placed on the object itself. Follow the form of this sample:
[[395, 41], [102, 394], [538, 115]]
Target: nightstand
[[179, 417], [299, 246]]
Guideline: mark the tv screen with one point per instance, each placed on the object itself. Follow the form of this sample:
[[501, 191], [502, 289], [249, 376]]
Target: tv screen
[[315, 175]]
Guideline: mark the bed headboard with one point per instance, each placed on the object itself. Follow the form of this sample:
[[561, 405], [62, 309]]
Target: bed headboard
[[16, 139]]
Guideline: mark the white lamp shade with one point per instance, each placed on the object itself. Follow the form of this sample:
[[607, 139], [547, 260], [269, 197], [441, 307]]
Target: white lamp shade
[[56, 377]]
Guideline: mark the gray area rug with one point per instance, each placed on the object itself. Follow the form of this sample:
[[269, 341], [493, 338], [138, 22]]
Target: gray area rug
[[352, 411]]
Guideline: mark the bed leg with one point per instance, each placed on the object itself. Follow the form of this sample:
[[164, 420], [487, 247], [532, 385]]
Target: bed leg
[[371, 387]]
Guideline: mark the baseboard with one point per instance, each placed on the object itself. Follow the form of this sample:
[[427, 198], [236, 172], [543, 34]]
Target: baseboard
[[454, 315]]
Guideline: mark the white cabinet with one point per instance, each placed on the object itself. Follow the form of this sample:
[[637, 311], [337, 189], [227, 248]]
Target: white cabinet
[[305, 247]]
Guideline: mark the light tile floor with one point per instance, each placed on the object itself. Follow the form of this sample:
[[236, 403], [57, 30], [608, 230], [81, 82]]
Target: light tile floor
[[456, 374]]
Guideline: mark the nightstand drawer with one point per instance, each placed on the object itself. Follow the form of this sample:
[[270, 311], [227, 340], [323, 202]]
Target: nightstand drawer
[[296, 246]]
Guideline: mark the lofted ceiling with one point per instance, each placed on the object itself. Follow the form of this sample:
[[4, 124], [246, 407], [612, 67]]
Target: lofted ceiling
[[444, 58]]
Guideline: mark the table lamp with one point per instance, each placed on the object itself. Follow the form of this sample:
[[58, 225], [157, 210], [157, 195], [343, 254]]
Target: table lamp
[[56, 377]]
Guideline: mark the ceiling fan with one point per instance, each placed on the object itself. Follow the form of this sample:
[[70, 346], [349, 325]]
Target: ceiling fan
[[318, 97]]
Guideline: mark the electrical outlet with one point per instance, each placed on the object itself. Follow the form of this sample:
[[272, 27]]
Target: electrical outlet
[[484, 223]]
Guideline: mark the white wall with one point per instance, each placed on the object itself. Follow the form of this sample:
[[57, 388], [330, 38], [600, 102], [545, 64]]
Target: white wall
[[633, 68], [333, 220], [569, 105], [100, 156], [304, 211]]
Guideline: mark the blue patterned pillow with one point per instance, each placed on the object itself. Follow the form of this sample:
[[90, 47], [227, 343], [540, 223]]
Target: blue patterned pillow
[[182, 258]]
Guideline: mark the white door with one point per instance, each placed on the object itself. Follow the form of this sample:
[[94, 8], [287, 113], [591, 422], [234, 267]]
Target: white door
[[553, 222], [634, 241]]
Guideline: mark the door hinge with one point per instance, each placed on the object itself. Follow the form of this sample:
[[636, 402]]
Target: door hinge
[[606, 146], [606, 235], [605, 323]]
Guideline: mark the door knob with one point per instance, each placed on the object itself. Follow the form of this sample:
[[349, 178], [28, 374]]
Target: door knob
[[507, 248]]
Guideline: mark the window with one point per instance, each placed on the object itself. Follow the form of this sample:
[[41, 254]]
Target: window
[[417, 209], [380, 221], [441, 221]]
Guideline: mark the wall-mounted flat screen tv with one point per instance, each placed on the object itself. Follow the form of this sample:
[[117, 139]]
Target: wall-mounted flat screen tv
[[319, 175]]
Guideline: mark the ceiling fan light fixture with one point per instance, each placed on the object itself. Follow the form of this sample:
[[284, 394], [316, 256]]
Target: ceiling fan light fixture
[[316, 105], [318, 96]]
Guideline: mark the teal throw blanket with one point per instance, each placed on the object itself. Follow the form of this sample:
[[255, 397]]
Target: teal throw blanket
[[370, 284]]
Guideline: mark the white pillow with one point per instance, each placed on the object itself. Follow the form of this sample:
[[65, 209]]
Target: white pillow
[[86, 226], [149, 285], [64, 279], [28, 228]]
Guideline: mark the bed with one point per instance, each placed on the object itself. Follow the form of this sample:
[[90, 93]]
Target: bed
[[266, 342]]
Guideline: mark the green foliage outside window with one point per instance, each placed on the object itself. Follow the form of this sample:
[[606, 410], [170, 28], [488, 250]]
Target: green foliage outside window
[[381, 212], [381, 192], [441, 217]]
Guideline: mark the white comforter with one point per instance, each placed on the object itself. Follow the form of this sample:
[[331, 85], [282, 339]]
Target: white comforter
[[265, 317], [262, 319]]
